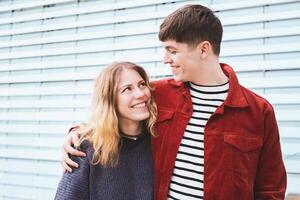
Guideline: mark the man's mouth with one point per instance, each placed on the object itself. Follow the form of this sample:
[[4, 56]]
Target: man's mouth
[[174, 69]]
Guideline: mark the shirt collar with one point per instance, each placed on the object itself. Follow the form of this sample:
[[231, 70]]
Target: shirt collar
[[235, 97]]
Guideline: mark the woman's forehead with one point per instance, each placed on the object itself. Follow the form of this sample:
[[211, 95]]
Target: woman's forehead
[[129, 76]]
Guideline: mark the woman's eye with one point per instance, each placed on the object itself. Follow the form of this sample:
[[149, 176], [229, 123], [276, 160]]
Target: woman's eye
[[126, 89], [143, 84]]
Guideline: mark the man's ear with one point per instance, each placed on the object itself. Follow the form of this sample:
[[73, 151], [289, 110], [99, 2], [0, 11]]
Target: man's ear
[[204, 48]]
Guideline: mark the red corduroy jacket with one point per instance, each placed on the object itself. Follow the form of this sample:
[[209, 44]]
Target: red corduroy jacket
[[242, 154]]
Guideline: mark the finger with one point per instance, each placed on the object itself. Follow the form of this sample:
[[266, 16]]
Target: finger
[[69, 149], [68, 161], [66, 167], [75, 138], [69, 140]]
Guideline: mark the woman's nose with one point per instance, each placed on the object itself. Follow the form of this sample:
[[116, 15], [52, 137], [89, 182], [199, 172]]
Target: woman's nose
[[139, 93]]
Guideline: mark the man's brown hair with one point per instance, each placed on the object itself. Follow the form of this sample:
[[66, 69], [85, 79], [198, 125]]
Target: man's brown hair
[[192, 24]]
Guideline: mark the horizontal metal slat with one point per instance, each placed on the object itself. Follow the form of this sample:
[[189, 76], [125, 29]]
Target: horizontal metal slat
[[38, 129], [32, 4], [46, 78], [79, 37], [255, 50], [293, 181], [259, 82], [58, 116], [247, 4], [86, 23], [25, 193], [61, 116], [282, 99], [278, 99], [271, 82], [46, 182], [264, 65], [151, 16], [290, 150], [34, 142], [100, 7], [289, 132], [79, 62], [31, 154], [30, 167], [238, 66], [60, 103], [78, 50], [36, 91], [97, 7], [236, 51], [228, 36]]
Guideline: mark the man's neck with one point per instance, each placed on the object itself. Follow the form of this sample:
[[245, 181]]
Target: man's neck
[[210, 73]]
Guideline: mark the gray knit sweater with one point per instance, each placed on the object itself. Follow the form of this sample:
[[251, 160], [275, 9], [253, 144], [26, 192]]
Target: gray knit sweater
[[132, 179]]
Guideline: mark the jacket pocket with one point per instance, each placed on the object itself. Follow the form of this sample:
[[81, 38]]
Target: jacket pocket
[[163, 121], [244, 151], [243, 143]]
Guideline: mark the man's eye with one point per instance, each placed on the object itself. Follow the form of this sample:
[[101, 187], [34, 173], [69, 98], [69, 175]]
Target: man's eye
[[173, 52]]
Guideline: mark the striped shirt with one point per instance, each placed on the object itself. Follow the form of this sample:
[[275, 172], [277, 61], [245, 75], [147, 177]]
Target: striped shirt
[[187, 178]]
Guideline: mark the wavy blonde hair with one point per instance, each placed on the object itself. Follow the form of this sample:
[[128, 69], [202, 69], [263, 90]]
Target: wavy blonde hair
[[102, 131]]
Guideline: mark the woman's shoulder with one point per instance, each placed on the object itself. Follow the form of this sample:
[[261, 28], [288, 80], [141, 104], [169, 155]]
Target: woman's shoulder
[[86, 147]]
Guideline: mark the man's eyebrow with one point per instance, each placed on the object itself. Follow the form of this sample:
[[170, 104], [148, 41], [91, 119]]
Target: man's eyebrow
[[169, 47]]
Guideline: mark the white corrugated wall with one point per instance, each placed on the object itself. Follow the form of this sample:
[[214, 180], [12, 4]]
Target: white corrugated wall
[[50, 52]]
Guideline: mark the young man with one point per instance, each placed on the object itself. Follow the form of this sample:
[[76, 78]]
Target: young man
[[216, 139]]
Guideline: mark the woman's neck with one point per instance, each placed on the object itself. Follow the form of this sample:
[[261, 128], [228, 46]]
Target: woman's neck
[[131, 129]]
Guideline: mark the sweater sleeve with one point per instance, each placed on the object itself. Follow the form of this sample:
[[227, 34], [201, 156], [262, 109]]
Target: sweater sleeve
[[75, 185]]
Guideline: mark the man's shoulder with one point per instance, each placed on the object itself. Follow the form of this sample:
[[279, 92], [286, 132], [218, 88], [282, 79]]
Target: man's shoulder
[[167, 83], [167, 87], [162, 82], [256, 99]]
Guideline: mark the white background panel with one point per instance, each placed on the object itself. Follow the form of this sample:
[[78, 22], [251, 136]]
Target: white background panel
[[51, 51]]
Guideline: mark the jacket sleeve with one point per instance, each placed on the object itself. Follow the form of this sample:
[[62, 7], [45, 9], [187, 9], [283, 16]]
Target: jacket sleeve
[[75, 185], [271, 180]]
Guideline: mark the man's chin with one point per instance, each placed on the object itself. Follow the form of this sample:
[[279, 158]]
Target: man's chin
[[177, 78]]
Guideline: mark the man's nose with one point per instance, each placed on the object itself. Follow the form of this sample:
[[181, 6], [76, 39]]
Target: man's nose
[[167, 58]]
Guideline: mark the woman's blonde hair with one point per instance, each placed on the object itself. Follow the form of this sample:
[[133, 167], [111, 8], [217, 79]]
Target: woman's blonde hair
[[102, 131]]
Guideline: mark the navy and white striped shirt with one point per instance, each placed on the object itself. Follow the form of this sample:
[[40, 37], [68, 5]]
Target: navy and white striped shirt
[[187, 178]]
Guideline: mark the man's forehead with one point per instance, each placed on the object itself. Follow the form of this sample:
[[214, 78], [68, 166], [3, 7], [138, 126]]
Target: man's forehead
[[172, 44]]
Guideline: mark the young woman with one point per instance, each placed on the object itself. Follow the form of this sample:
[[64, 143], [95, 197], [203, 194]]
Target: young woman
[[116, 140]]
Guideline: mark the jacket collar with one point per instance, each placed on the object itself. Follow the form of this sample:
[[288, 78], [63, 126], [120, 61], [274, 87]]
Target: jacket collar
[[235, 97]]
